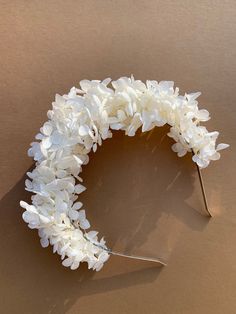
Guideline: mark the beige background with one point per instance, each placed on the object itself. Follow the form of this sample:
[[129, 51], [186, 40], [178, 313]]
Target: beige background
[[148, 195]]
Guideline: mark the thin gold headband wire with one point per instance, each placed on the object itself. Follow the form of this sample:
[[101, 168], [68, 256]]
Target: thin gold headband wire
[[203, 191]]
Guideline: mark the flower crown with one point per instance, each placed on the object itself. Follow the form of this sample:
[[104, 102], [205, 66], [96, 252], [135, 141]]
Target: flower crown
[[81, 120]]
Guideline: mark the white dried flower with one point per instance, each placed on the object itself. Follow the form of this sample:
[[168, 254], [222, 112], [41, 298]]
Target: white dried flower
[[78, 122]]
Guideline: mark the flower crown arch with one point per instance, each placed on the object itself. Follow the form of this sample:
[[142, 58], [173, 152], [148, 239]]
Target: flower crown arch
[[78, 123]]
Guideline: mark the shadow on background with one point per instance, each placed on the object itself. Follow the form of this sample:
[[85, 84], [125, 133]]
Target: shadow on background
[[140, 195], [136, 197]]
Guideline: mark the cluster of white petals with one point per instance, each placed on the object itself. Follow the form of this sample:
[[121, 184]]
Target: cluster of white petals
[[77, 123]]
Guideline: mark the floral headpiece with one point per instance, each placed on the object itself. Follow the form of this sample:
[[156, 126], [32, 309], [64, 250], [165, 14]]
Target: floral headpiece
[[78, 123]]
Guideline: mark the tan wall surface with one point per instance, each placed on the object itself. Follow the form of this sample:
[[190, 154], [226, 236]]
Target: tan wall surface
[[142, 197]]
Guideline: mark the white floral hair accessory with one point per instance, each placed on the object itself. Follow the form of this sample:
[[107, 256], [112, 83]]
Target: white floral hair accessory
[[77, 123]]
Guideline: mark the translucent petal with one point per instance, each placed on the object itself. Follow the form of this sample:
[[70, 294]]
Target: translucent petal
[[47, 128], [83, 130], [73, 214], [67, 262], [82, 215], [222, 146], [79, 188], [77, 205], [44, 242], [85, 224]]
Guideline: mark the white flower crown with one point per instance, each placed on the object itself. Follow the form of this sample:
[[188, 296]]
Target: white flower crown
[[78, 123]]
